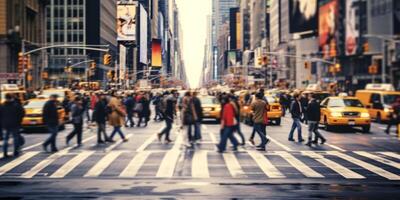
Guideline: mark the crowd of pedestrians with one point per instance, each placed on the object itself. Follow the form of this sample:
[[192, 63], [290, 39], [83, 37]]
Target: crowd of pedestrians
[[132, 109]]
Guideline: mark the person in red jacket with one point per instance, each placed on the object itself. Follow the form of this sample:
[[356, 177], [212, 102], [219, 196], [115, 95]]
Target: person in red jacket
[[228, 124]]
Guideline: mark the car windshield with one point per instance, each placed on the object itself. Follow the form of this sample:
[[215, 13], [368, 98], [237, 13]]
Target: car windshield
[[209, 100], [345, 103], [48, 93], [390, 99], [35, 104]]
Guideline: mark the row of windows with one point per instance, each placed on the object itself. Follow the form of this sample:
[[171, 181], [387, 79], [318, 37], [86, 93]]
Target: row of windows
[[71, 37], [68, 51], [60, 12], [68, 2], [60, 25]]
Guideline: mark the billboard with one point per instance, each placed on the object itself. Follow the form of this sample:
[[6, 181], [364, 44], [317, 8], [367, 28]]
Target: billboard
[[143, 36], [303, 16], [156, 60], [327, 28], [238, 31], [122, 61], [126, 21], [352, 33]]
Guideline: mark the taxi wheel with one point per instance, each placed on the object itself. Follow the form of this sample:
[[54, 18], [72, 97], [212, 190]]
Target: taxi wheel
[[366, 129], [278, 122], [327, 127]]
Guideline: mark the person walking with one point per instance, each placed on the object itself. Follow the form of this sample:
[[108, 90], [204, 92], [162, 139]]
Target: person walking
[[235, 102], [228, 124], [296, 112], [77, 111], [199, 113], [51, 120], [129, 106], [100, 117], [169, 112], [304, 104], [86, 106], [144, 114], [395, 117], [157, 102], [188, 117], [259, 109], [12, 123], [116, 118], [314, 115]]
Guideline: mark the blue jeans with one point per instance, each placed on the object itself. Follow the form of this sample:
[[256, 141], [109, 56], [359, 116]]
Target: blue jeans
[[296, 124], [259, 128], [15, 134], [227, 132], [117, 129], [53, 129], [197, 130], [168, 127]]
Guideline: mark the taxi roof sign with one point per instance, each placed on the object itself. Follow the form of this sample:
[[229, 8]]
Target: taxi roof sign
[[9, 87], [380, 87]]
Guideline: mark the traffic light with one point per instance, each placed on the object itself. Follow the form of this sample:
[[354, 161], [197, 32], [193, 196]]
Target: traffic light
[[45, 75], [109, 75], [366, 47], [338, 68], [107, 59], [22, 62], [373, 69], [306, 65], [29, 62], [259, 61], [265, 60]]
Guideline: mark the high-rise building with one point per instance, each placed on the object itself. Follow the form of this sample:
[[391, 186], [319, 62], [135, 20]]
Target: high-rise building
[[80, 22], [21, 27]]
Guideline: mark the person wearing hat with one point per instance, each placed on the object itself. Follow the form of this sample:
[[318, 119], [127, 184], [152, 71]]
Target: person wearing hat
[[51, 120]]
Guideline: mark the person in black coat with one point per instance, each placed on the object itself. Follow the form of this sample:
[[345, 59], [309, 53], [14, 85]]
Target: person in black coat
[[77, 120], [144, 114], [169, 111], [297, 111], [51, 120], [12, 123], [100, 117], [199, 113], [129, 106], [314, 115]]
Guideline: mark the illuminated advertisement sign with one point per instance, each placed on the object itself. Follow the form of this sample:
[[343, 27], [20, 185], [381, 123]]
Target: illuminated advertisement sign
[[328, 21], [143, 36], [303, 15], [126, 22], [351, 30], [156, 60]]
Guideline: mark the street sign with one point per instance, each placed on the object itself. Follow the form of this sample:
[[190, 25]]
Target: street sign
[[9, 76]]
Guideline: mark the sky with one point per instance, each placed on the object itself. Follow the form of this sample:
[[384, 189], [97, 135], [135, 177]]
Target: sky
[[192, 14]]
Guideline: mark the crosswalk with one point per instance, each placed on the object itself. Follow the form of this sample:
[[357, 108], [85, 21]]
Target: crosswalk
[[204, 164]]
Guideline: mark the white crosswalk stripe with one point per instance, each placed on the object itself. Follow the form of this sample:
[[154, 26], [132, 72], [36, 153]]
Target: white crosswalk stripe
[[135, 164], [43, 164], [379, 159], [303, 168], [168, 164], [366, 165], [391, 154], [14, 163], [71, 164], [345, 172], [106, 161], [200, 165], [265, 165], [233, 165]]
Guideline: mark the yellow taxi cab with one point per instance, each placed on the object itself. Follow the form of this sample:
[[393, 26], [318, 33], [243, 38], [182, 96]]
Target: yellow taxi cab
[[211, 107], [320, 95], [61, 92], [344, 111], [33, 114], [378, 99], [12, 89], [274, 111]]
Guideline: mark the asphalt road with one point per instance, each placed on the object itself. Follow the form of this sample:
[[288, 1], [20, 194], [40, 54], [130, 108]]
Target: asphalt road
[[350, 165]]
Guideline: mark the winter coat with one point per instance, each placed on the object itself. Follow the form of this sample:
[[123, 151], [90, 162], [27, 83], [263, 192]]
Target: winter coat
[[117, 115], [12, 113], [50, 113]]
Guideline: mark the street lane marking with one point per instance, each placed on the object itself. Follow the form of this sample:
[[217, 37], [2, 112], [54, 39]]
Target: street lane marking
[[108, 149], [19, 160], [46, 162], [135, 164], [378, 158], [233, 165], [148, 141], [265, 165], [346, 173], [168, 164], [366, 165], [391, 154], [101, 165], [300, 166], [280, 144], [200, 165], [71, 164], [335, 147]]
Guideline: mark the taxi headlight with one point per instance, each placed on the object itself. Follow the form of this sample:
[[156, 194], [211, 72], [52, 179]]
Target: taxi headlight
[[365, 115], [387, 110], [218, 108], [336, 114]]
